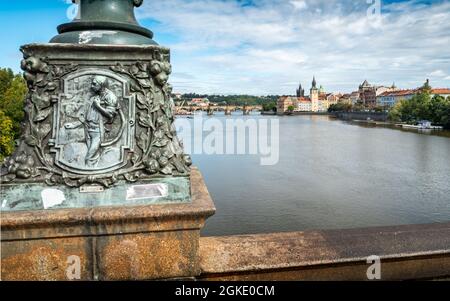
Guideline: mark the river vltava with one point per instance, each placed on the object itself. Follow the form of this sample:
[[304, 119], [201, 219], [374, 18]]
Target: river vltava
[[330, 175]]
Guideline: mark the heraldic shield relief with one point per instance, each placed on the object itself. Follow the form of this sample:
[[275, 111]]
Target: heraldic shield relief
[[94, 123]]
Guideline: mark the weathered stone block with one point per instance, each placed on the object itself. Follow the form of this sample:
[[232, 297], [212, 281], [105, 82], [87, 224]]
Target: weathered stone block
[[112, 243], [45, 259], [148, 256]]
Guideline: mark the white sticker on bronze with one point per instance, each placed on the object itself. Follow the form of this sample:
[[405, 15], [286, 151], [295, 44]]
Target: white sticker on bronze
[[52, 197], [139, 192]]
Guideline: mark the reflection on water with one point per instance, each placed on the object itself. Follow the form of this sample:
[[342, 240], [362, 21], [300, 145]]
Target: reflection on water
[[331, 174]]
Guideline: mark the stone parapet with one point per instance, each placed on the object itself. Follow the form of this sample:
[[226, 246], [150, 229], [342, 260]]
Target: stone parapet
[[406, 252]]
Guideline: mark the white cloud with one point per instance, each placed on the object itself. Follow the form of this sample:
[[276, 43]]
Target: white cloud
[[272, 43], [437, 73], [299, 4]]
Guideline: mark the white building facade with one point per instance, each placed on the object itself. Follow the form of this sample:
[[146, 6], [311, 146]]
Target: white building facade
[[304, 105]]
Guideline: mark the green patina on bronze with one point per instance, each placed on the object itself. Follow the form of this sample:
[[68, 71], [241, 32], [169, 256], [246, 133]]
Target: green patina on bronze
[[31, 196], [105, 22], [97, 112]]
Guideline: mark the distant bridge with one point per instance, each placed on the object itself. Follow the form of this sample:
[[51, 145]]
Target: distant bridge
[[211, 110]]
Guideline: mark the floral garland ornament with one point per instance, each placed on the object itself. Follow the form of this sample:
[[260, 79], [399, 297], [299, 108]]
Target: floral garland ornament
[[30, 157], [160, 150]]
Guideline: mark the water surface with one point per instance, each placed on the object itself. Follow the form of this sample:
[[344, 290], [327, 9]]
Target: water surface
[[331, 175]]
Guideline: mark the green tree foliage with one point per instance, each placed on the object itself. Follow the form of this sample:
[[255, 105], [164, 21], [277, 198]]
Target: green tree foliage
[[340, 107], [359, 107], [6, 77], [12, 102], [379, 109], [423, 107], [6, 136], [270, 106], [13, 91]]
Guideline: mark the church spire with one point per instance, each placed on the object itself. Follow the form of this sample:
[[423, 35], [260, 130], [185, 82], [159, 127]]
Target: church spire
[[300, 91], [314, 83]]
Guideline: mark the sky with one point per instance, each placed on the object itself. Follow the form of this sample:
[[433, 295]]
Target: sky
[[267, 47]]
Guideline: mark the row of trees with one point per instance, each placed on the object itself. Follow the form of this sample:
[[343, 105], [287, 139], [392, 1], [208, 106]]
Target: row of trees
[[423, 107], [13, 90], [234, 100], [348, 107], [340, 107], [270, 106]]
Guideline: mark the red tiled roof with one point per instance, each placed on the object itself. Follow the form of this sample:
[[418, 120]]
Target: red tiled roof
[[410, 92], [440, 91], [398, 93], [198, 99]]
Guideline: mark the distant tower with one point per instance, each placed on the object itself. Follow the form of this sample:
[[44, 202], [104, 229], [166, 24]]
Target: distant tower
[[300, 91], [393, 86], [365, 85], [314, 95], [426, 86]]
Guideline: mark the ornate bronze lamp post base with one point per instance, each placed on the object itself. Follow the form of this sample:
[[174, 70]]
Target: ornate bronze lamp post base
[[99, 117], [99, 156], [98, 114]]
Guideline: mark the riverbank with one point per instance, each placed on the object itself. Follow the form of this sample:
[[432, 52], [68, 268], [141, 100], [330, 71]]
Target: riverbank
[[303, 114], [372, 119], [373, 116], [400, 127], [269, 113]]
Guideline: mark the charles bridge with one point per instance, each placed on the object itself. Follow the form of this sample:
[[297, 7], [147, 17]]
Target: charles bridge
[[212, 109]]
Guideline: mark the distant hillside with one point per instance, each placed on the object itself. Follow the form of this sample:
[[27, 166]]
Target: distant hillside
[[233, 99]]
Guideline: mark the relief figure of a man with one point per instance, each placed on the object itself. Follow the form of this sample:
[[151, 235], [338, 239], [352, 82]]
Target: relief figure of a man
[[101, 108]]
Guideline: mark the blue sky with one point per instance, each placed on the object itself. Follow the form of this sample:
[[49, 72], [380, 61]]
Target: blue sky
[[267, 46]]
